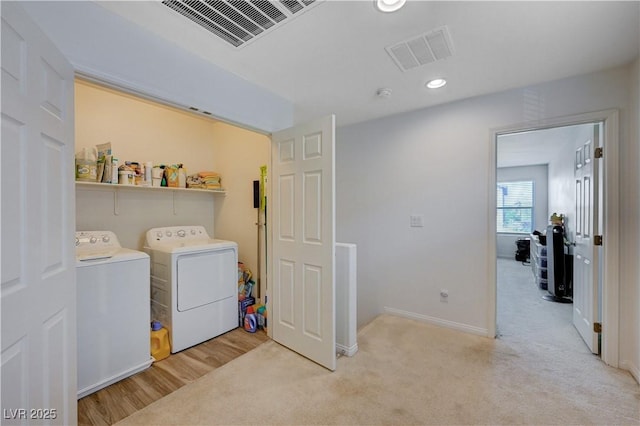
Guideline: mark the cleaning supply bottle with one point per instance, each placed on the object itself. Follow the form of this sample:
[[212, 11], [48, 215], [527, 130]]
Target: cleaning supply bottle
[[250, 320], [182, 176], [114, 170], [261, 314], [160, 345]]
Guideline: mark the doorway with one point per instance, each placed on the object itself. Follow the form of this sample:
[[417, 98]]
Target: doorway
[[534, 175], [547, 134]]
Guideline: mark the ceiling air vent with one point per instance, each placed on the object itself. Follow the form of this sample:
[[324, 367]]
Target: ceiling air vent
[[421, 50], [239, 21]]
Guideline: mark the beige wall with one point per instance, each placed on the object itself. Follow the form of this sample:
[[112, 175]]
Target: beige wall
[[241, 153], [140, 130]]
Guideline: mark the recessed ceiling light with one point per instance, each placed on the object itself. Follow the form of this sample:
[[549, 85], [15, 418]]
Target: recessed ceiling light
[[436, 83], [389, 5]]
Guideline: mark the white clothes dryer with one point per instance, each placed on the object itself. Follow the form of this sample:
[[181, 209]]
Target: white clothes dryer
[[113, 311], [194, 284]]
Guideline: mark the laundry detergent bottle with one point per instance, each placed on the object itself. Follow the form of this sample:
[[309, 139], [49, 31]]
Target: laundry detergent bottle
[[250, 320], [160, 345]]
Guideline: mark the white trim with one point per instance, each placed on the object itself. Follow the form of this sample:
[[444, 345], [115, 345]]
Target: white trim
[[492, 241], [611, 285], [635, 371], [438, 321], [346, 350]]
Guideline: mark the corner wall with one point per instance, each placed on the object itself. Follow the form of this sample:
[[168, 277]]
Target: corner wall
[[435, 162], [630, 233], [240, 154]]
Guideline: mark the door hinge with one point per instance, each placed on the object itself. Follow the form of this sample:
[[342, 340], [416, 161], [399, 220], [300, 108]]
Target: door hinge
[[597, 240], [598, 153], [597, 327]]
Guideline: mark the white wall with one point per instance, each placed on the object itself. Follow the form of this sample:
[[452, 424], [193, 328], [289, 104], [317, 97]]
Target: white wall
[[435, 162], [506, 243]]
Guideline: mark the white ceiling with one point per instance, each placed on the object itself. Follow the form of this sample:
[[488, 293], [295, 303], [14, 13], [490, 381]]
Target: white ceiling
[[534, 147], [332, 58]]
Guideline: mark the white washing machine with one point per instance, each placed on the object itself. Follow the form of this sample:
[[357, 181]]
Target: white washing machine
[[113, 311], [194, 284]]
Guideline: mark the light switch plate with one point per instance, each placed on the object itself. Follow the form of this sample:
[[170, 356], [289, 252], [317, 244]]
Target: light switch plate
[[416, 220]]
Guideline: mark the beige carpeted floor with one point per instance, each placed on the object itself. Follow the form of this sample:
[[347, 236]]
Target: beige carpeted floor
[[407, 372]]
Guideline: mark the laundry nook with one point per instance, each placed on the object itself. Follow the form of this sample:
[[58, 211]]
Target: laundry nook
[[188, 194]]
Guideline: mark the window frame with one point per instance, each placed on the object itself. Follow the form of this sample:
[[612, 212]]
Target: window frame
[[532, 208]]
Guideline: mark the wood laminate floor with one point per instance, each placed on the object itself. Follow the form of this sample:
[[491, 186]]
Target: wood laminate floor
[[121, 399]]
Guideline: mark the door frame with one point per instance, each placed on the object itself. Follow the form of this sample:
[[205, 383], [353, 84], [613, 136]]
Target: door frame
[[611, 202]]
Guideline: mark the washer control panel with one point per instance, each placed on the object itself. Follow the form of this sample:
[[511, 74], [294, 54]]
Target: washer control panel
[[96, 244], [176, 233]]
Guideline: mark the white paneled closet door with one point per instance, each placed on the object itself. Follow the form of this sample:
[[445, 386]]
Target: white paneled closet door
[[38, 224], [301, 220]]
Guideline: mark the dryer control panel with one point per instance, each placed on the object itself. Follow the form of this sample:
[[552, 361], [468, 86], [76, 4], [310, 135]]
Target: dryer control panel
[[176, 233]]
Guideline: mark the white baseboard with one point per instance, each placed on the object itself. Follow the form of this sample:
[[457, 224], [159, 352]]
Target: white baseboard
[[438, 321], [633, 369], [347, 350]]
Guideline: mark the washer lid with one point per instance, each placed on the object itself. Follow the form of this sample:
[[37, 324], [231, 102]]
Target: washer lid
[[121, 255]]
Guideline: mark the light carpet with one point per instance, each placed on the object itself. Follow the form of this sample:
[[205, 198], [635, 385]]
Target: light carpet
[[407, 372]]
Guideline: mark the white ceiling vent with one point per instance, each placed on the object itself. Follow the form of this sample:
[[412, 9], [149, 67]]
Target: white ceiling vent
[[239, 21], [421, 50]]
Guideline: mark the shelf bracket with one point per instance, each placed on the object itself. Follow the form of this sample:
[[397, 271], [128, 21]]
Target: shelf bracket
[[175, 206], [116, 208]]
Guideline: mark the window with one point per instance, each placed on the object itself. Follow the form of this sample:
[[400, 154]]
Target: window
[[515, 207]]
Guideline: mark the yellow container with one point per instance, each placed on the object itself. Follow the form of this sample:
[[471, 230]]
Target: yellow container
[[160, 345]]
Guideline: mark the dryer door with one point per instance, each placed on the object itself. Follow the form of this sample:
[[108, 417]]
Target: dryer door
[[206, 277]]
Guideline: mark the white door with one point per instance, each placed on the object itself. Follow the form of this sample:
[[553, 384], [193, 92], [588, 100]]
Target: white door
[[301, 222], [38, 225], [586, 260]]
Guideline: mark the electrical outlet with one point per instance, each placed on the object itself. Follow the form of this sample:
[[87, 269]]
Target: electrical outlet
[[416, 221], [444, 295]]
